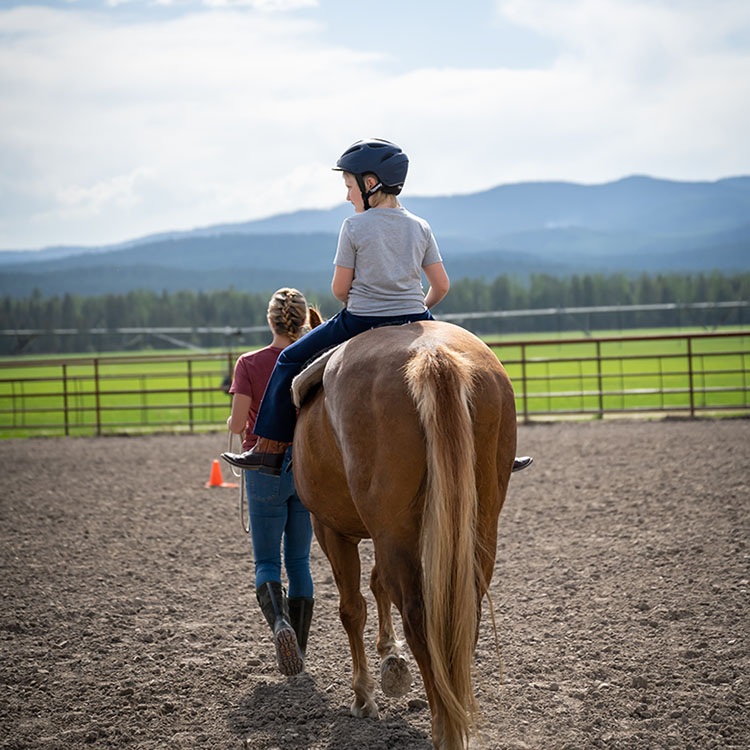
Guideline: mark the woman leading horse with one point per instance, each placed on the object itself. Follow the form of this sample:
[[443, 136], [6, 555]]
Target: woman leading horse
[[411, 442]]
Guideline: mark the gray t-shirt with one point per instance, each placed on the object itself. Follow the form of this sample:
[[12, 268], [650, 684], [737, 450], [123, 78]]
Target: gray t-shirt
[[387, 248]]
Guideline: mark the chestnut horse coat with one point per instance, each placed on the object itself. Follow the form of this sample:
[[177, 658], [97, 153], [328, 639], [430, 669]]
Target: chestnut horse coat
[[410, 442]]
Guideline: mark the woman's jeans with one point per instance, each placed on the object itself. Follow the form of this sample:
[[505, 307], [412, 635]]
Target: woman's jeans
[[277, 414], [277, 514]]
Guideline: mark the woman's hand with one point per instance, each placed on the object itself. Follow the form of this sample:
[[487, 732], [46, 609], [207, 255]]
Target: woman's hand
[[240, 409]]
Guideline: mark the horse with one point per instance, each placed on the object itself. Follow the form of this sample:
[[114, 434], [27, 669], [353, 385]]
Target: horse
[[410, 442]]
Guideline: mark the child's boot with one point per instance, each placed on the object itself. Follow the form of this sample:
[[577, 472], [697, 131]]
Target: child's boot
[[266, 456]]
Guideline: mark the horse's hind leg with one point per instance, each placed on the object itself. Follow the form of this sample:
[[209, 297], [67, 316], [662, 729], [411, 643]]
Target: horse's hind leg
[[343, 555], [404, 588], [395, 678]]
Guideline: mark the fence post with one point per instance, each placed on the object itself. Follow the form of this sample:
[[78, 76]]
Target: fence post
[[190, 393], [690, 374], [599, 378], [65, 398], [525, 385], [96, 396]]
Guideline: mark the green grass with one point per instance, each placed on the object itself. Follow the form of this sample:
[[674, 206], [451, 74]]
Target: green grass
[[137, 394], [634, 375], [133, 396]]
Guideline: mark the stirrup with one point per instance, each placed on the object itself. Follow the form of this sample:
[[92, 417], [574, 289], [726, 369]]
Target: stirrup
[[522, 462]]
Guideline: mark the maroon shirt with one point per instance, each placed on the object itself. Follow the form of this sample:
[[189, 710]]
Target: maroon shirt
[[251, 374]]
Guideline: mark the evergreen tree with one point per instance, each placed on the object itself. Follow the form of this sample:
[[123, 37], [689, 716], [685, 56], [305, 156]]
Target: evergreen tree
[[234, 309]]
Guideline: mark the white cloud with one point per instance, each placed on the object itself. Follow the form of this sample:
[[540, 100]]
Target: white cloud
[[622, 27], [211, 105], [656, 85], [114, 129], [121, 191], [267, 6]]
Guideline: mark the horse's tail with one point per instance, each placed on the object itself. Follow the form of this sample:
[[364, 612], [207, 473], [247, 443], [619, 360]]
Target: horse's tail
[[441, 383]]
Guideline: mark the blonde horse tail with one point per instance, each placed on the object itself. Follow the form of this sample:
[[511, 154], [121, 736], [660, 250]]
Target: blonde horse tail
[[441, 383]]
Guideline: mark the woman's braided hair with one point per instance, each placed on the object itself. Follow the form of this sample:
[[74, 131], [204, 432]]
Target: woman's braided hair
[[289, 313]]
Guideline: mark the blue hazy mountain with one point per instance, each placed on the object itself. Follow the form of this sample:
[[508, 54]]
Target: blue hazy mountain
[[633, 225]]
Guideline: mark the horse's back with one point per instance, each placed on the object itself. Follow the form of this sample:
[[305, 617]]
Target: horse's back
[[367, 379], [375, 359], [374, 444]]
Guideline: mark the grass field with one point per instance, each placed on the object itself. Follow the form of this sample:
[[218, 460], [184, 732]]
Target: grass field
[[585, 377], [645, 375], [142, 394]]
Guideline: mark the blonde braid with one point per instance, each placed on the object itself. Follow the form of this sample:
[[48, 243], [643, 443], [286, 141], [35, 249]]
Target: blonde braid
[[287, 311]]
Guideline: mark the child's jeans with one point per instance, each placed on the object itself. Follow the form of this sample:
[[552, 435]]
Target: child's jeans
[[277, 415]]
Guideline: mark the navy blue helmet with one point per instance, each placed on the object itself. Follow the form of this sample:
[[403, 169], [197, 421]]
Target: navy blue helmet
[[384, 159]]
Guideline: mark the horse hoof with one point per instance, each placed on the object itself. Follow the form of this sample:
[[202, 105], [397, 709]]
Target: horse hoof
[[367, 711], [395, 678]]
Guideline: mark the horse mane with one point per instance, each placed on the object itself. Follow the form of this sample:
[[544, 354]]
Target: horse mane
[[441, 383]]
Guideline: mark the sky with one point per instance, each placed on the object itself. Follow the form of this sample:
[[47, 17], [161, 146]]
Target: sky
[[123, 118]]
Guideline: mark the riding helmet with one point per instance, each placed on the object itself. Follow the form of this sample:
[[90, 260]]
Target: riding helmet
[[383, 158]]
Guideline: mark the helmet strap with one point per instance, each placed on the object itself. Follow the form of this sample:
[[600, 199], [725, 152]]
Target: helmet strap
[[365, 192]]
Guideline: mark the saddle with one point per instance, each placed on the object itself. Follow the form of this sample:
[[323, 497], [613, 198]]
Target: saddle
[[311, 376], [312, 372]]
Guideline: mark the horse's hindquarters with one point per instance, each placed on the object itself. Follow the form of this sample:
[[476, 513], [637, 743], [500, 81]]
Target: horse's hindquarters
[[319, 475]]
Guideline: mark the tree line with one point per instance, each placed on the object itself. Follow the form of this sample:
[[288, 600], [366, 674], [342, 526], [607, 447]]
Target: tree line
[[231, 308]]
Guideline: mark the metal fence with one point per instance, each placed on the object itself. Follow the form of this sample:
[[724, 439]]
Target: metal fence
[[685, 373], [114, 394]]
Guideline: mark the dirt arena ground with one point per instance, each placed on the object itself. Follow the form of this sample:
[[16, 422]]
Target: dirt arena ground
[[128, 617]]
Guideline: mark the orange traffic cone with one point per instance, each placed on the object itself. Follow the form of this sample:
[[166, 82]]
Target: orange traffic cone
[[216, 479]]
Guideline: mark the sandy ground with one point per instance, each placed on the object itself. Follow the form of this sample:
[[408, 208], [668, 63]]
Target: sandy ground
[[128, 617]]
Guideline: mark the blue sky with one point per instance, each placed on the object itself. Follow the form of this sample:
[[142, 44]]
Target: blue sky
[[122, 118]]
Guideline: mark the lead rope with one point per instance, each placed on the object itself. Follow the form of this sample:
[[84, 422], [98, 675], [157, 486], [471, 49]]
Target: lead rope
[[240, 475]]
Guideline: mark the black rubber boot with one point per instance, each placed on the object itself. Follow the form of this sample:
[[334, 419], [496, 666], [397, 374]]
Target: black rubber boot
[[300, 616], [273, 603]]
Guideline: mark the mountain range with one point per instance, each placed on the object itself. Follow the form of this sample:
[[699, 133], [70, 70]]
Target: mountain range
[[636, 224]]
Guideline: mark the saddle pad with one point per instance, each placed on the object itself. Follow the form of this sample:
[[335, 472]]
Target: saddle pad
[[310, 376]]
